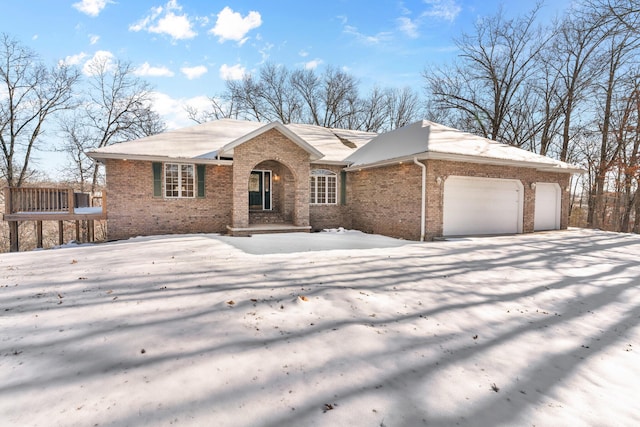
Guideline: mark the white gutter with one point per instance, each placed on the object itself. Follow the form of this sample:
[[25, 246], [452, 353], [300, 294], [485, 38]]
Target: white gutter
[[471, 159], [148, 158], [423, 198]]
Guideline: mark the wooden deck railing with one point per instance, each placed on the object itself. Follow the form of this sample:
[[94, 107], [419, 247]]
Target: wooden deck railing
[[35, 200], [51, 204], [32, 200]]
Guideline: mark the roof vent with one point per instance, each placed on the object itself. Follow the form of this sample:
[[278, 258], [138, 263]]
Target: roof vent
[[345, 141]]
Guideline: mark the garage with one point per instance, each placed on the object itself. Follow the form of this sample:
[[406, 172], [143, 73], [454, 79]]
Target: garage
[[476, 206], [547, 210]]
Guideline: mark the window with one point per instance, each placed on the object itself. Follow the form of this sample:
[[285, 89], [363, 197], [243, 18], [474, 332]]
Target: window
[[179, 180], [323, 187]]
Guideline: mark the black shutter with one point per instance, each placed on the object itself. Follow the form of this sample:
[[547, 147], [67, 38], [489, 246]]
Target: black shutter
[[157, 179], [200, 174]]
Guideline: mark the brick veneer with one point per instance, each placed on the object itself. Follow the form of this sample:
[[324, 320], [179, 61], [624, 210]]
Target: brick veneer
[[132, 210], [271, 145], [330, 216], [383, 200], [386, 200]]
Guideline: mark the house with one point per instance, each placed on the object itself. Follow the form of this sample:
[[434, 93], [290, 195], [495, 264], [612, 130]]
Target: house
[[418, 182]]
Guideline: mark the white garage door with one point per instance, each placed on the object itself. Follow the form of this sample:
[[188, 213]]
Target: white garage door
[[482, 206], [547, 211]]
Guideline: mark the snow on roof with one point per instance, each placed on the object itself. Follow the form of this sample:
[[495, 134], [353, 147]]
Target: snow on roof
[[188, 142], [426, 139], [423, 139], [206, 140], [335, 144]]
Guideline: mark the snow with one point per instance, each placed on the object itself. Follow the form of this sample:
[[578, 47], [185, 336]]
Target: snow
[[323, 329], [205, 140], [435, 141], [88, 210]]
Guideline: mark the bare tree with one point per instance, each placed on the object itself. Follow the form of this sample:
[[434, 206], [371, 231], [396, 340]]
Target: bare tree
[[402, 107], [30, 94], [308, 83], [494, 64], [338, 95], [247, 95], [620, 47], [76, 138], [221, 108], [280, 98], [372, 117], [117, 108]]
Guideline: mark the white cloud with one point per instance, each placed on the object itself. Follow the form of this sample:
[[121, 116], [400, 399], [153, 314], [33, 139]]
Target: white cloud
[[177, 26], [167, 20], [194, 72], [313, 64], [409, 27], [303, 53], [264, 52], [173, 111], [101, 60], [234, 72], [73, 59], [147, 70], [91, 7], [378, 38], [231, 25], [444, 9], [93, 39]]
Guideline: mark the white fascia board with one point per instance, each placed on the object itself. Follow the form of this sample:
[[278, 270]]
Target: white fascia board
[[468, 159], [147, 158], [313, 152], [330, 162], [409, 158], [502, 162]]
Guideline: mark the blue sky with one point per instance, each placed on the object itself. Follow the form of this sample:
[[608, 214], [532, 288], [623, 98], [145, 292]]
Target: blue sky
[[186, 48]]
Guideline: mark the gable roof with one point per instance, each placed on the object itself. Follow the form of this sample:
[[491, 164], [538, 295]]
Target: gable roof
[[214, 142], [227, 149], [210, 141], [428, 140]]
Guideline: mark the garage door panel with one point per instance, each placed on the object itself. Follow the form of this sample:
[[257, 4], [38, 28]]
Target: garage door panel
[[482, 206], [547, 206]]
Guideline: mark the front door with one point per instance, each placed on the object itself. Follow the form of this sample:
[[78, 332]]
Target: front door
[[260, 190]]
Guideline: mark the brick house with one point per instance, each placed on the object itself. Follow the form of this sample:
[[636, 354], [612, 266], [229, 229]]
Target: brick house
[[241, 177]]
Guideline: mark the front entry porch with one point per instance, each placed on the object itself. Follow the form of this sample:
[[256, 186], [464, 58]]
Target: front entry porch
[[270, 202], [267, 229]]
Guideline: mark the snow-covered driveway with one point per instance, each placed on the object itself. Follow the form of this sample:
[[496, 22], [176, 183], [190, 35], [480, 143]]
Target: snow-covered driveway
[[285, 330]]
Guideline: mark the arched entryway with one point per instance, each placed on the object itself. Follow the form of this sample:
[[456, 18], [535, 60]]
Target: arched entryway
[[271, 194], [270, 175]]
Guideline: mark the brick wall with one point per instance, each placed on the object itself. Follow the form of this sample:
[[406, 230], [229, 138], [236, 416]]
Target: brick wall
[[386, 200], [133, 211], [272, 146], [330, 216], [282, 191]]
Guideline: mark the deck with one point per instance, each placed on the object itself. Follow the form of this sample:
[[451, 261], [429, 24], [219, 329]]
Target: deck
[[45, 204], [50, 204]]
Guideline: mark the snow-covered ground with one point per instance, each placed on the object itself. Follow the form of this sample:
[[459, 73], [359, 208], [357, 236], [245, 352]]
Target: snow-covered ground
[[324, 329]]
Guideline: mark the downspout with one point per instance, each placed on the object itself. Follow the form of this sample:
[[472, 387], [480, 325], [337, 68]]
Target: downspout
[[423, 215]]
